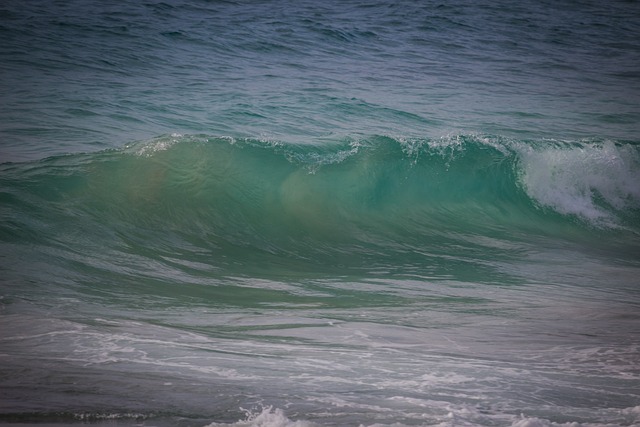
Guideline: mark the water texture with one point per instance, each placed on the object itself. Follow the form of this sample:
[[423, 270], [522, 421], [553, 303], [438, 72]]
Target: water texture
[[218, 213]]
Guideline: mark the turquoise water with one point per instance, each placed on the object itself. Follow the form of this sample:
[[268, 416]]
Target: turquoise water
[[336, 214]]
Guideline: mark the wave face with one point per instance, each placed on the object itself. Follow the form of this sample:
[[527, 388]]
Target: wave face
[[354, 202]]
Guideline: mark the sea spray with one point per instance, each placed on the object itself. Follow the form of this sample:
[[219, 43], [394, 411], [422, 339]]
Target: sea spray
[[595, 181]]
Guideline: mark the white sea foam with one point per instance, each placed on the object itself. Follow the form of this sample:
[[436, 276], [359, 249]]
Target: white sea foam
[[275, 417], [635, 410], [265, 417], [148, 148], [541, 422], [591, 180]]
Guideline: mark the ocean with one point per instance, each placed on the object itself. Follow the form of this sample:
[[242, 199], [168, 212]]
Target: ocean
[[309, 214]]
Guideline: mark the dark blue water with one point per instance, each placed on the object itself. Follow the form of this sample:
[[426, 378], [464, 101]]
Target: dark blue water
[[332, 214]]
